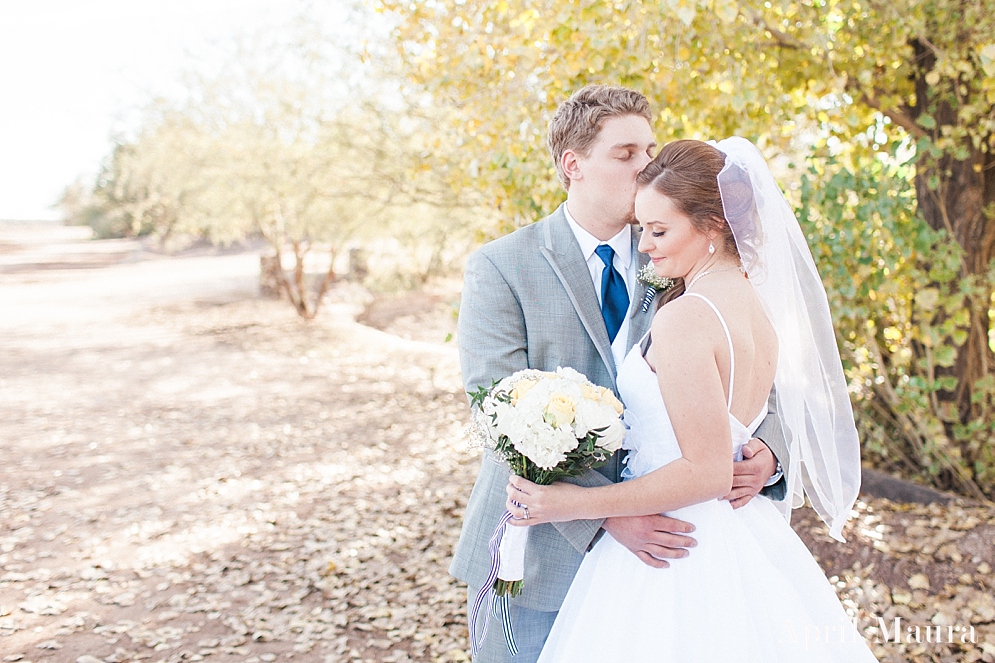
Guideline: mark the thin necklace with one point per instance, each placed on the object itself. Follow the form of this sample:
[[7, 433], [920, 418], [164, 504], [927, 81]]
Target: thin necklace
[[706, 273]]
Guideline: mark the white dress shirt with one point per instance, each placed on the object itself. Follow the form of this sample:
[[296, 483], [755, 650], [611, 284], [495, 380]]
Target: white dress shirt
[[623, 262]]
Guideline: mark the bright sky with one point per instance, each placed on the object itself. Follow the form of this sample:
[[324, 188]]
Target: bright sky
[[74, 72]]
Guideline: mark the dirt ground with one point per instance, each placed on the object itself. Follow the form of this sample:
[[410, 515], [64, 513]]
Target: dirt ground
[[190, 472]]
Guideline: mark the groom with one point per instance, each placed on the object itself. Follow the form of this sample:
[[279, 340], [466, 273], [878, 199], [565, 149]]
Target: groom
[[563, 292]]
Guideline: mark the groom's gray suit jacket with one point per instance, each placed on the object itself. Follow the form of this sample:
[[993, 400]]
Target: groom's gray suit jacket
[[529, 302]]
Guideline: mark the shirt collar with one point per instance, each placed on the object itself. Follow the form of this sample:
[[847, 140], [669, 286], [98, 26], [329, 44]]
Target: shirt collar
[[621, 243]]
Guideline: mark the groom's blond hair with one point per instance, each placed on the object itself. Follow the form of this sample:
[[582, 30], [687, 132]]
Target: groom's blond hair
[[578, 120]]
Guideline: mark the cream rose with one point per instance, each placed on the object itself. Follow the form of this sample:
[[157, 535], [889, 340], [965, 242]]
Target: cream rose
[[590, 392], [560, 411], [608, 398], [521, 388]]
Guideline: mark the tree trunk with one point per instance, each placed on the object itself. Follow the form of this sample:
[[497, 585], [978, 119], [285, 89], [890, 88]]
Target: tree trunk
[[957, 205], [270, 275], [276, 282], [953, 195]]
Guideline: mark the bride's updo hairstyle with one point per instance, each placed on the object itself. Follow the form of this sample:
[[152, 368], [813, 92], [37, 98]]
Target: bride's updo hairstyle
[[687, 171]]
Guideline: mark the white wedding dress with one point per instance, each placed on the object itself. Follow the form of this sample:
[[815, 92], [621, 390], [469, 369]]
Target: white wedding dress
[[749, 592]]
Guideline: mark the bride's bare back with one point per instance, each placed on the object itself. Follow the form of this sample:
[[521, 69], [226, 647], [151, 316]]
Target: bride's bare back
[[690, 326]]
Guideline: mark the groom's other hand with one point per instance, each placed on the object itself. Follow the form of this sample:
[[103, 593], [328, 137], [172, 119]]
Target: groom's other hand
[[750, 474], [653, 539]]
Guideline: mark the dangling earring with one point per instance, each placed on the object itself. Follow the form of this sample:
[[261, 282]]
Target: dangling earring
[[711, 248]]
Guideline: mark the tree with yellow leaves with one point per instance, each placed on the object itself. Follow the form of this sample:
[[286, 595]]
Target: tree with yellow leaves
[[862, 76]]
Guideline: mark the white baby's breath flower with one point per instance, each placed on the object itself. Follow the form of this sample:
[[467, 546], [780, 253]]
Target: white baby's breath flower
[[507, 384], [571, 374], [489, 406], [484, 424], [649, 276]]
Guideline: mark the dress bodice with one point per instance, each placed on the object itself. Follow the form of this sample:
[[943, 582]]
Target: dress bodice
[[650, 440]]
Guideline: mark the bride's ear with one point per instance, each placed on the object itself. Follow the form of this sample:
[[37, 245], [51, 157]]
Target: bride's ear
[[715, 229]]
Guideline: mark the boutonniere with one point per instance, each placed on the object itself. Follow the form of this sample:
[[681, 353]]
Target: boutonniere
[[654, 283]]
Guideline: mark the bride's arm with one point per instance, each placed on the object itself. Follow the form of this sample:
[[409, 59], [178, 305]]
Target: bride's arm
[[688, 377]]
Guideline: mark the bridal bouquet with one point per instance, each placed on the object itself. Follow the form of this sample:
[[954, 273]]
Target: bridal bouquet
[[547, 426]]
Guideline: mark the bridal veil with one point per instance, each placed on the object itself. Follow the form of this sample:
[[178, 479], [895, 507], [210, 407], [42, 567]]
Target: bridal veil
[[812, 397]]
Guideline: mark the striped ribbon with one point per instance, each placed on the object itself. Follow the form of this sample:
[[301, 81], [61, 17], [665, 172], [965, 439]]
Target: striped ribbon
[[486, 592], [648, 298]]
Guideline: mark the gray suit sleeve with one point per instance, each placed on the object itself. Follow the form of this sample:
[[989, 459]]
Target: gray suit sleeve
[[582, 533], [491, 326], [772, 434]]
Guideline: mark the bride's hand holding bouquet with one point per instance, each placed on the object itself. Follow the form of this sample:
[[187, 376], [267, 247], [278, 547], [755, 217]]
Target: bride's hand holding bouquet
[[547, 426]]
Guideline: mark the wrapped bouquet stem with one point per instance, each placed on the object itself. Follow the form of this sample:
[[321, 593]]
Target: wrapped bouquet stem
[[546, 426]]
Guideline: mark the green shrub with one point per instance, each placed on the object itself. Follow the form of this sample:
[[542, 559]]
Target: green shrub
[[901, 309]]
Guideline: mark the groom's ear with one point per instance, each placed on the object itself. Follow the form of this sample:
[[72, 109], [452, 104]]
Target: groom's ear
[[571, 165]]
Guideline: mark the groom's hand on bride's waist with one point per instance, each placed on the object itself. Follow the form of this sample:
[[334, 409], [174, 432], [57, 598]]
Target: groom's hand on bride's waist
[[653, 539], [751, 474]]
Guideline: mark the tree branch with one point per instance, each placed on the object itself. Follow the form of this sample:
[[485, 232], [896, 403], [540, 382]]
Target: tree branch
[[783, 39], [901, 119]]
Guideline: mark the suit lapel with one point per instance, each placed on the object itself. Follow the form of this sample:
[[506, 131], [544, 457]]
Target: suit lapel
[[564, 256]]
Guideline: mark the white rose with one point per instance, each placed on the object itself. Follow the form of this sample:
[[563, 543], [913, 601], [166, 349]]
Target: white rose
[[611, 438], [587, 416]]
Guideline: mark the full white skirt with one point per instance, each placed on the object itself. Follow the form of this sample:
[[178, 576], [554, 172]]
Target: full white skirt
[[749, 592]]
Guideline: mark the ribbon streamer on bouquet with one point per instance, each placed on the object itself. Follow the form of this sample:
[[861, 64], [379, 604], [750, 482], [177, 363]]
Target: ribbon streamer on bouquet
[[486, 593]]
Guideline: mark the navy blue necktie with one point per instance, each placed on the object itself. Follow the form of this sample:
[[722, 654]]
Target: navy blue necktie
[[614, 296]]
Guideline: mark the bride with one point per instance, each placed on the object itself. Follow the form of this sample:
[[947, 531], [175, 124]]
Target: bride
[[754, 314]]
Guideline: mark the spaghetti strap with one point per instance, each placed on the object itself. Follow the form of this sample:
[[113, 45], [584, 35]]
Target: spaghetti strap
[[725, 327]]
